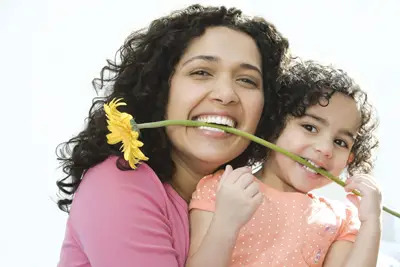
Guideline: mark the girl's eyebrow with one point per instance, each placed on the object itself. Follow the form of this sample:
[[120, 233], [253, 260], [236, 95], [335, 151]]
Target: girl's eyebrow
[[216, 59], [346, 132], [317, 118]]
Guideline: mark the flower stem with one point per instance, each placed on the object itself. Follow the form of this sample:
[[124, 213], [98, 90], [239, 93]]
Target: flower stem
[[257, 140]]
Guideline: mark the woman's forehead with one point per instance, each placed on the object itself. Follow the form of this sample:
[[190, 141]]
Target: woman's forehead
[[225, 44]]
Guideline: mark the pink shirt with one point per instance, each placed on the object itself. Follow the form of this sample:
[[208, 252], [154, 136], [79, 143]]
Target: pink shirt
[[125, 218], [288, 229]]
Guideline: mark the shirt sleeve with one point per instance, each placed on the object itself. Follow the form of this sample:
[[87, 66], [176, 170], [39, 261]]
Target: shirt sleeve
[[205, 195], [119, 218], [350, 225]]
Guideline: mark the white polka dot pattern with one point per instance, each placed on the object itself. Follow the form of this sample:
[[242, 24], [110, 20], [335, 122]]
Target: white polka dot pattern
[[288, 229]]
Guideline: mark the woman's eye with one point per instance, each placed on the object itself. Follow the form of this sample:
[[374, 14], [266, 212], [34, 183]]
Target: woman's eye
[[248, 81], [200, 73], [310, 128], [341, 143]]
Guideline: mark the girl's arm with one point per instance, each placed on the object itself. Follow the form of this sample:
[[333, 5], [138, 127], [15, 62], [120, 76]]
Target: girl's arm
[[213, 234], [211, 240], [364, 251]]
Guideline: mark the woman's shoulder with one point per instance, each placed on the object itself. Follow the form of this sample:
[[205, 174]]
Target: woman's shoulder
[[118, 217], [105, 180], [108, 172]]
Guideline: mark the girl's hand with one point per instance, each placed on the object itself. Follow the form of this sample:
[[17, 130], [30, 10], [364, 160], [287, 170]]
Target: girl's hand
[[370, 204], [238, 196]]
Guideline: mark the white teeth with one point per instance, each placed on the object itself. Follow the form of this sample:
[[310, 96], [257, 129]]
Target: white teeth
[[222, 120], [309, 169], [312, 163], [211, 129]]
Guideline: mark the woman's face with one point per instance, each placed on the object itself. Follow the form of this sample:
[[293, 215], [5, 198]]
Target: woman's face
[[219, 80]]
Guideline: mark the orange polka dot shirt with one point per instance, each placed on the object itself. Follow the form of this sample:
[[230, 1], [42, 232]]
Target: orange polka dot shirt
[[288, 229]]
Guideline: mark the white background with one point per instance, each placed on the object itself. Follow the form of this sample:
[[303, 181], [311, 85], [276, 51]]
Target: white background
[[51, 50]]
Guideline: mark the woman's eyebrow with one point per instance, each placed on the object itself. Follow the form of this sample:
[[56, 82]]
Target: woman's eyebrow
[[216, 59], [250, 67], [201, 57]]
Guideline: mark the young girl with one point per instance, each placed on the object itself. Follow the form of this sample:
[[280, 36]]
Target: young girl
[[201, 63], [274, 220]]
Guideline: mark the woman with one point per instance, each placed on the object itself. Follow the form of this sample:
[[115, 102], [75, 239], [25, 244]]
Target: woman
[[201, 63]]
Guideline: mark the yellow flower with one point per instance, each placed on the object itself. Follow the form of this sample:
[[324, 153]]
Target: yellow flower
[[119, 125]]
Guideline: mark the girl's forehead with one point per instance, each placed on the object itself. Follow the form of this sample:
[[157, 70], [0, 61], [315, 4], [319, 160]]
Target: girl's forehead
[[341, 110]]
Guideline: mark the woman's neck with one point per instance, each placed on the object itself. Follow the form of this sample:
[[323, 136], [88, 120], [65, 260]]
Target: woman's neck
[[186, 177], [184, 184]]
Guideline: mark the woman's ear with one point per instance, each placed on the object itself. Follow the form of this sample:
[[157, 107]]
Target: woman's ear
[[350, 158]]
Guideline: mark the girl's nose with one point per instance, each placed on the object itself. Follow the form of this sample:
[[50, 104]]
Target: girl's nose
[[325, 147]]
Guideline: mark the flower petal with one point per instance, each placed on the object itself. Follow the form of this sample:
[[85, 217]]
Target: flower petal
[[121, 130]]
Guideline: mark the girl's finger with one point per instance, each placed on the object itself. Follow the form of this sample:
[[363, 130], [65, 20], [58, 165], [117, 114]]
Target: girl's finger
[[253, 189], [369, 181], [238, 173], [354, 199], [353, 186], [258, 198], [228, 170], [361, 186], [245, 180], [366, 178]]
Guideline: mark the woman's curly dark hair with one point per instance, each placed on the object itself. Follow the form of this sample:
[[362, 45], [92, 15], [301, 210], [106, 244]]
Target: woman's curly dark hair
[[141, 77], [308, 83]]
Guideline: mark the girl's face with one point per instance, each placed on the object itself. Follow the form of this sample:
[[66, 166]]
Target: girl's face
[[324, 136], [217, 80]]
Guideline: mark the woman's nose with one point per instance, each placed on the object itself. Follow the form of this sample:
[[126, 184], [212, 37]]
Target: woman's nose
[[224, 91]]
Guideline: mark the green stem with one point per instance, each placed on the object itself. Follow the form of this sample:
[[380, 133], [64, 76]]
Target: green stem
[[257, 140]]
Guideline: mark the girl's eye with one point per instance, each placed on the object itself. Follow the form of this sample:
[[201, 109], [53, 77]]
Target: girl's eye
[[200, 73], [310, 128], [341, 143]]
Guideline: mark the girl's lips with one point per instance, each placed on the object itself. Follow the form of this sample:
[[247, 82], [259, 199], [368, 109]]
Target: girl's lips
[[315, 163], [309, 172]]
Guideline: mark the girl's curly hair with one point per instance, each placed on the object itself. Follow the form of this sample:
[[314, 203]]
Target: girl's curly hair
[[304, 84], [141, 77]]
